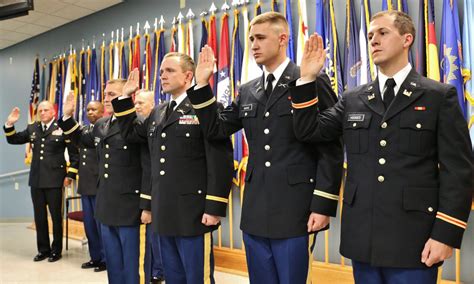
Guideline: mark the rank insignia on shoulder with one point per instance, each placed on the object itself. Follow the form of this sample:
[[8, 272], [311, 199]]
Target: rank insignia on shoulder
[[422, 108], [413, 84], [371, 97], [57, 132], [189, 120], [247, 107]]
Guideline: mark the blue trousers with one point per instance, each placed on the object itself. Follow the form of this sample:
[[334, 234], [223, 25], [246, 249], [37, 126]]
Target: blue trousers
[[121, 246], [188, 260], [365, 273], [153, 263], [92, 228], [281, 261]]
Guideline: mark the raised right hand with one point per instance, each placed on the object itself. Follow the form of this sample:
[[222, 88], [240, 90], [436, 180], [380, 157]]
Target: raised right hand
[[132, 84], [69, 105], [313, 58], [13, 116], [205, 66]]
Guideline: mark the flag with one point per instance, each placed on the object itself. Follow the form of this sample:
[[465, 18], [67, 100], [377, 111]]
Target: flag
[[117, 59], [250, 68], [212, 42], [159, 53], [290, 51], [352, 59], [43, 87], [257, 9], [468, 62], [387, 5], [70, 85], [93, 85], [302, 30], [82, 80], [204, 33], [147, 64], [53, 74], [432, 68], [319, 19], [333, 61], [124, 69], [419, 47], [136, 61], [450, 57], [238, 139], [174, 44], [190, 39], [103, 74], [275, 6], [223, 80], [111, 59], [367, 66], [181, 38], [401, 5], [35, 92]]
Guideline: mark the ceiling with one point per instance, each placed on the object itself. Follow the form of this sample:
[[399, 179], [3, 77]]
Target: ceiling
[[47, 15]]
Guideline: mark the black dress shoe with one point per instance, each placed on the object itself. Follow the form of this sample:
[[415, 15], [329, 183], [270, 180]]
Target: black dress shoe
[[54, 257], [157, 280], [90, 264], [41, 256], [100, 267]]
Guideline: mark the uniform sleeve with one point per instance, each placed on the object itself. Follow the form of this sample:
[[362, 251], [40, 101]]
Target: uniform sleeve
[[73, 153], [220, 168], [330, 158], [145, 192], [14, 137], [72, 131], [131, 129], [455, 173], [215, 124], [309, 123]]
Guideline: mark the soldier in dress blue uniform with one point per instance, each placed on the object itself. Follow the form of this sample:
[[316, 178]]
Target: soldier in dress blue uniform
[[191, 177], [87, 188], [408, 191], [290, 187], [48, 174], [153, 265], [118, 205]]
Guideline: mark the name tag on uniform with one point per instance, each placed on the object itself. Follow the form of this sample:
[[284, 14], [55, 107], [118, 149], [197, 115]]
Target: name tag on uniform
[[246, 107], [57, 132], [189, 119], [355, 117], [96, 140]]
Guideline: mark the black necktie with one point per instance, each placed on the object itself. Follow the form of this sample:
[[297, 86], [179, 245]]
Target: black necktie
[[170, 108], [45, 127], [269, 88], [389, 92]]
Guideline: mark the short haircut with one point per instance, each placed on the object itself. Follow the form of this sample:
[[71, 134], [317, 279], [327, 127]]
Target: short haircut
[[185, 61], [116, 81], [273, 18], [401, 21]]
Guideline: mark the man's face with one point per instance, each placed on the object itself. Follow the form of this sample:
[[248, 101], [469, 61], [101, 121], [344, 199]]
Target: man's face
[[143, 106], [111, 92], [385, 42], [94, 111], [265, 43], [46, 112], [173, 78]]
